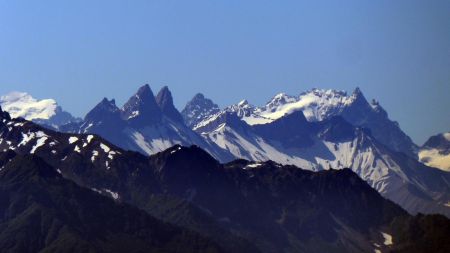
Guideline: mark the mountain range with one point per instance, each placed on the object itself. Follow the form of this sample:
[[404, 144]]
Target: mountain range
[[83, 193], [145, 123], [318, 130]]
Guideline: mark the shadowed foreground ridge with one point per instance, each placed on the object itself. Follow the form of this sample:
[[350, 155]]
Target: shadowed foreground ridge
[[42, 212]]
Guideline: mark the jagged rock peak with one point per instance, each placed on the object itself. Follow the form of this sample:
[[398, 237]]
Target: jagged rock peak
[[358, 94], [198, 96], [164, 100], [357, 91], [142, 108], [144, 96], [197, 109], [164, 97], [102, 109], [106, 104], [144, 91]]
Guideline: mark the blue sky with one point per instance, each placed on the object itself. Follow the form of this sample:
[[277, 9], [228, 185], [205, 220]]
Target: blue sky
[[81, 51]]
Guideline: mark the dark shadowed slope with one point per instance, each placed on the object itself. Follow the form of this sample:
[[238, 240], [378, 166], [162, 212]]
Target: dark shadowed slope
[[42, 212]]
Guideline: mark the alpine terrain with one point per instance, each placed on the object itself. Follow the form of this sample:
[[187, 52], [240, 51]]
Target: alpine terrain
[[58, 184], [436, 151], [45, 112]]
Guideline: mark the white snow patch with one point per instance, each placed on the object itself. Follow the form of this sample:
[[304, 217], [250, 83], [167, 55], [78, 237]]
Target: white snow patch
[[87, 128], [40, 142], [77, 149], [96, 190], [114, 195], [26, 138], [94, 154], [89, 138], [152, 139], [40, 134], [73, 139], [104, 147], [317, 105], [434, 158], [252, 166], [173, 151], [133, 114], [111, 154], [387, 239]]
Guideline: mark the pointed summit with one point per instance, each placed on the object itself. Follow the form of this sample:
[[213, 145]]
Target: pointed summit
[[164, 97], [357, 94], [104, 119], [106, 112], [198, 96], [198, 109], [357, 99], [109, 103], [357, 91], [165, 102], [142, 109]]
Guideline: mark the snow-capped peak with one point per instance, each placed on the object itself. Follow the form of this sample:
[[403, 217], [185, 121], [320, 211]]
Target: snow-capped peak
[[243, 102], [317, 104], [321, 104], [436, 151], [280, 99], [22, 104]]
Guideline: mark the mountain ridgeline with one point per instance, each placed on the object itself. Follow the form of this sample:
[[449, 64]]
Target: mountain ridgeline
[[80, 193], [318, 130]]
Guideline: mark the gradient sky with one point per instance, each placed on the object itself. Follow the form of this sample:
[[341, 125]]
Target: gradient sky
[[78, 52]]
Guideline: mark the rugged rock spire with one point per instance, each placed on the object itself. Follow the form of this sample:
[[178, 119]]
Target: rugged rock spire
[[103, 111], [141, 109], [165, 102], [198, 109]]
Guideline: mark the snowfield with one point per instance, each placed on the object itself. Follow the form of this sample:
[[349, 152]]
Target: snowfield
[[21, 104]]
